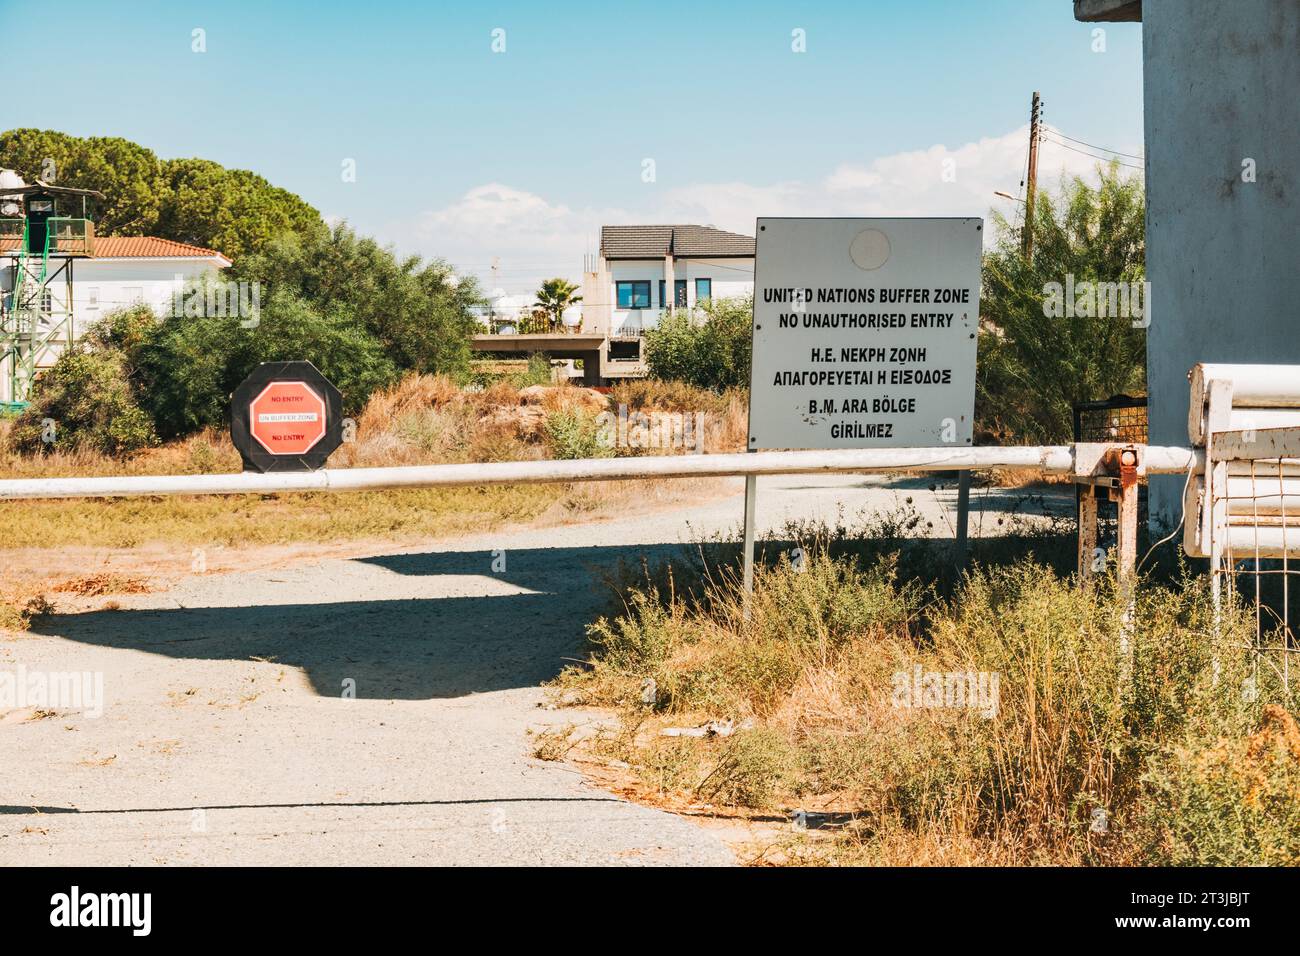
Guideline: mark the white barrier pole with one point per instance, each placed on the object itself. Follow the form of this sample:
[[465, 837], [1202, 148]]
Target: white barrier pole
[[1045, 459]]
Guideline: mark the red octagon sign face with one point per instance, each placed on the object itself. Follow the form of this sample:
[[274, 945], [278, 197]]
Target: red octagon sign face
[[287, 418]]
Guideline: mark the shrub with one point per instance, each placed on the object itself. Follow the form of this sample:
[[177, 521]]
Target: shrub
[[537, 373], [571, 434], [125, 330], [751, 768], [638, 641], [188, 367], [713, 353], [85, 401], [668, 764], [1234, 801]]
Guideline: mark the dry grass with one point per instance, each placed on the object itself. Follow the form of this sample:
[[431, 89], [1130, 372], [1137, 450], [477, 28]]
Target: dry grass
[[726, 414], [556, 743], [20, 604], [1088, 754], [236, 521], [93, 585]]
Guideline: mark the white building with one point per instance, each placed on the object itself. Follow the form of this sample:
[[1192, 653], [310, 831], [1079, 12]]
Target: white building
[[126, 270], [642, 271], [122, 271]]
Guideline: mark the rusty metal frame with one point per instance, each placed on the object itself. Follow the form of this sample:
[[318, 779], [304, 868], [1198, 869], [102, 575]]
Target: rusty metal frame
[[1114, 470]]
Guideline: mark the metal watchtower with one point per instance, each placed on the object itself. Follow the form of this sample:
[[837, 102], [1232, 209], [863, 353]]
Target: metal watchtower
[[39, 247]]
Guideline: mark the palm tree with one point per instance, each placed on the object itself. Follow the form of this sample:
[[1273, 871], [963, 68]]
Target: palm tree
[[554, 297]]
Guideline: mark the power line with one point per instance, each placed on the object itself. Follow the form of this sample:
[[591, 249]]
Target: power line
[[1057, 142], [1104, 149]]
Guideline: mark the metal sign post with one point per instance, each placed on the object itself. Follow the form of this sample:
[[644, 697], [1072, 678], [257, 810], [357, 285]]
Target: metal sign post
[[963, 516], [751, 499]]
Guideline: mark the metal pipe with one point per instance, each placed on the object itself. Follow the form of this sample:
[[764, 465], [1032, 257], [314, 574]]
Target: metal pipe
[[1253, 388], [1275, 386], [1262, 495], [1045, 459], [1243, 543]]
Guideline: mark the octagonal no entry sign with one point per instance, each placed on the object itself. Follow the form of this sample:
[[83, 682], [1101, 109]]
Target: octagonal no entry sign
[[286, 416]]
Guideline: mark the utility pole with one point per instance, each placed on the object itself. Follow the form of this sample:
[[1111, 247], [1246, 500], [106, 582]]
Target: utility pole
[[1027, 233]]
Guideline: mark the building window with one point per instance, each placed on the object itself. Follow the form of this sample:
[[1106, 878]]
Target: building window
[[92, 297], [633, 295], [703, 290], [133, 294], [47, 301], [679, 294]]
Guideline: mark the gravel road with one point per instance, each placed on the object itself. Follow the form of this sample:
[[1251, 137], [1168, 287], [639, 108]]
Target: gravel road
[[227, 736]]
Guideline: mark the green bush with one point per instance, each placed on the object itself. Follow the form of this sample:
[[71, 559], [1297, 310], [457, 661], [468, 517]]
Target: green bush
[[418, 312], [639, 640], [124, 331], [571, 434], [85, 402], [713, 353], [537, 373], [1228, 802], [751, 768], [188, 367]]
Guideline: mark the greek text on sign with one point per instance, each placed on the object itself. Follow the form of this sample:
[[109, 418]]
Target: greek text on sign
[[864, 332], [287, 418]]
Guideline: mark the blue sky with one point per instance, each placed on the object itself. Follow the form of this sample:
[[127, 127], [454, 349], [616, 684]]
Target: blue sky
[[518, 157]]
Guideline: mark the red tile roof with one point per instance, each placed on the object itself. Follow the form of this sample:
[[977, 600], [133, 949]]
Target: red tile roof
[[137, 247]]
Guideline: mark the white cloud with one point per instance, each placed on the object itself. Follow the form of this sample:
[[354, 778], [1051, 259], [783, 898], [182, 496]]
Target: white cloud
[[533, 237], [528, 237], [938, 181]]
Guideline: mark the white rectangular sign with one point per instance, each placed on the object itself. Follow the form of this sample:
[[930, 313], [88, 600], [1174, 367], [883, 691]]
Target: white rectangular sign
[[864, 332]]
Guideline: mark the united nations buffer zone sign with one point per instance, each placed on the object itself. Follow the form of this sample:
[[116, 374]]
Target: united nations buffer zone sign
[[286, 416], [865, 332]]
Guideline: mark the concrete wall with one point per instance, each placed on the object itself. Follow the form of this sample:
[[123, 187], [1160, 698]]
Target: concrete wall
[[101, 286], [1222, 82], [596, 304]]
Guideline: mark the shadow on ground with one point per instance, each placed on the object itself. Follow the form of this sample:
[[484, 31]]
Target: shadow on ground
[[410, 649], [414, 648]]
